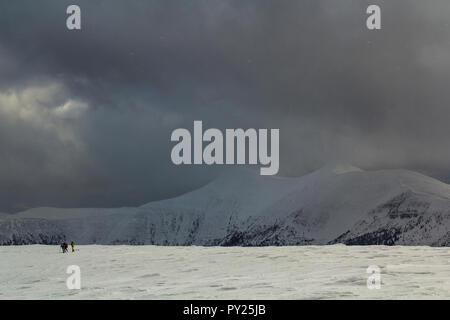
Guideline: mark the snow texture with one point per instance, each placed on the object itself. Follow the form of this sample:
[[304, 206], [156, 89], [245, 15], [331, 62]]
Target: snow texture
[[158, 272]]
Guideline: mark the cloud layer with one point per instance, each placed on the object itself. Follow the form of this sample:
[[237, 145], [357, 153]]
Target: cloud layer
[[86, 116]]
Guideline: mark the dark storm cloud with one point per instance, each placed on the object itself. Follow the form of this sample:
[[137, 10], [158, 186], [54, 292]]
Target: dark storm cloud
[[86, 115]]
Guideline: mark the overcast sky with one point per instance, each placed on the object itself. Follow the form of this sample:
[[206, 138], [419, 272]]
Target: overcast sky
[[86, 116]]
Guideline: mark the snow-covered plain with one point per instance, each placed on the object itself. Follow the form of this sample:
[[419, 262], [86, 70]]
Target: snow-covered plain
[[158, 272]]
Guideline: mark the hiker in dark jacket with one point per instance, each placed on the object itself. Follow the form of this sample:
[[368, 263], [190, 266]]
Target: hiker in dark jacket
[[64, 247]]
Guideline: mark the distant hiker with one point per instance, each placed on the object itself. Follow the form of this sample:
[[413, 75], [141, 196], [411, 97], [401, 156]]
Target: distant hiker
[[64, 247], [73, 246]]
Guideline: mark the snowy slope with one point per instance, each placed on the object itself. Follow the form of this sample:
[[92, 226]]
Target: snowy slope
[[334, 204]]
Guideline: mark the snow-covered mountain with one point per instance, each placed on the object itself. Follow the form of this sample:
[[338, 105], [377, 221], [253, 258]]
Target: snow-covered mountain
[[336, 204]]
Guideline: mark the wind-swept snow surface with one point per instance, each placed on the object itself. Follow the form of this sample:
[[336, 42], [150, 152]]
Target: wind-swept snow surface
[[337, 204], [158, 272]]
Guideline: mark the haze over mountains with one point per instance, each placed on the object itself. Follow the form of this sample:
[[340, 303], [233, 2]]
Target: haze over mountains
[[336, 204]]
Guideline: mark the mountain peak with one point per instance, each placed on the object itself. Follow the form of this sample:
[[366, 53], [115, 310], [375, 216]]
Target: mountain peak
[[340, 168]]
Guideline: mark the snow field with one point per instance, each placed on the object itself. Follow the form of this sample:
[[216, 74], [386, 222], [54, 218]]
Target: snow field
[[157, 272]]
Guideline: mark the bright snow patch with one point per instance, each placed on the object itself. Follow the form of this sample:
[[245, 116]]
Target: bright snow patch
[[152, 272]]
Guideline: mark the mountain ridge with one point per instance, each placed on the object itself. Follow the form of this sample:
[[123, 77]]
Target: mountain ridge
[[335, 204]]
